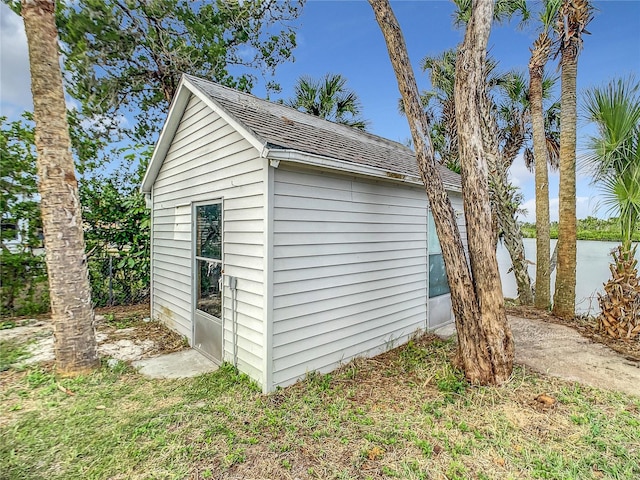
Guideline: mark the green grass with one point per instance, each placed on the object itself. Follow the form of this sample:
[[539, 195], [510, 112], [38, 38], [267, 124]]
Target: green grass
[[7, 324], [589, 228], [407, 414], [122, 321], [11, 352]]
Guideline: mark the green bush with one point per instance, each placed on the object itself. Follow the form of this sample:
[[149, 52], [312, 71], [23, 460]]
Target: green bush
[[23, 284], [122, 279]]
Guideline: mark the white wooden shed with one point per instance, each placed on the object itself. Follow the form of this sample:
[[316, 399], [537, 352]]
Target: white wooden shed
[[285, 242]]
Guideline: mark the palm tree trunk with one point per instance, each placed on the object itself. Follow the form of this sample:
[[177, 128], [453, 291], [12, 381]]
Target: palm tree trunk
[[505, 221], [515, 246], [565, 293], [503, 210], [71, 309], [485, 346], [543, 242], [553, 262]]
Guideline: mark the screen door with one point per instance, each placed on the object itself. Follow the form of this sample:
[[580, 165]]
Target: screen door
[[207, 318]]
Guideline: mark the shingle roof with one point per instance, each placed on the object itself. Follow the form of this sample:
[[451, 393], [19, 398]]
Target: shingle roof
[[282, 127]]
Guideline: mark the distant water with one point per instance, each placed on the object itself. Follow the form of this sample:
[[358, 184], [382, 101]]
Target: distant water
[[592, 271]]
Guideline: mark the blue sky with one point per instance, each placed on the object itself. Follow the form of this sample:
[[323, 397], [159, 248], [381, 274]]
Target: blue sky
[[343, 37]]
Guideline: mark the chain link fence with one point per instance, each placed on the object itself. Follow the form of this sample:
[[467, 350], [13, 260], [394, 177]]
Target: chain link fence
[[117, 278]]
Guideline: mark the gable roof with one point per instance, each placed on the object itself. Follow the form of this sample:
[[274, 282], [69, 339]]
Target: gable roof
[[283, 133]]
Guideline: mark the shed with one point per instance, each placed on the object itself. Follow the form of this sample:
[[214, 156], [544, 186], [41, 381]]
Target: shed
[[286, 243]]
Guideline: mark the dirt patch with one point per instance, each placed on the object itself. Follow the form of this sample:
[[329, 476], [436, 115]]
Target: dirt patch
[[122, 333], [160, 338], [586, 326]]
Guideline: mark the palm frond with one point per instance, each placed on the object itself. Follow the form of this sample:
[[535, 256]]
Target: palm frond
[[615, 110], [549, 83], [572, 20], [504, 11], [614, 158], [549, 12], [328, 98], [553, 151], [529, 159]]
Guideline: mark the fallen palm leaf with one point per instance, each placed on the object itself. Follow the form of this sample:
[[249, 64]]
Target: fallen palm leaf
[[546, 400], [65, 390]]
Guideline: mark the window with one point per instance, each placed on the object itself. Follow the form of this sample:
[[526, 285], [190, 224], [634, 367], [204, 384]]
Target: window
[[8, 229], [209, 258], [438, 283]]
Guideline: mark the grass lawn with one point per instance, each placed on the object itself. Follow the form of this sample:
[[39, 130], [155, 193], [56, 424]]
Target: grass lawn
[[405, 414]]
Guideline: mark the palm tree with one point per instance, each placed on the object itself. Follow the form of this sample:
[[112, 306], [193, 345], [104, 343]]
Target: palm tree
[[504, 127], [71, 309], [501, 146], [512, 128], [615, 165], [440, 108], [574, 15], [539, 57], [328, 98]]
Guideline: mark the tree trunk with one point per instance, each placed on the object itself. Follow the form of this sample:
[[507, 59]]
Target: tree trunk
[[505, 212], [539, 57], [485, 346], [507, 208], [468, 89], [553, 262], [503, 208], [565, 293], [515, 246], [71, 309]]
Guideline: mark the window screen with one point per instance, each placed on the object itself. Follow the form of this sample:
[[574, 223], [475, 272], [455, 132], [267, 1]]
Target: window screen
[[438, 283]]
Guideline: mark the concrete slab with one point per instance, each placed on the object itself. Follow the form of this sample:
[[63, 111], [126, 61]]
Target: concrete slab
[[560, 351], [182, 364], [445, 331]]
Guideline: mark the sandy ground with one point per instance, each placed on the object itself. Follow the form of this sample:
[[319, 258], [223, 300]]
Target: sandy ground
[[548, 348], [146, 339]]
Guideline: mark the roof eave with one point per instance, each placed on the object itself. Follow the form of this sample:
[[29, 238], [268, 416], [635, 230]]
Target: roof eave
[[452, 187], [319, 161], [178, 105]]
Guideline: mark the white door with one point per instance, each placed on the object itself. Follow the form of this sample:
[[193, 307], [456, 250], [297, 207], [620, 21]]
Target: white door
[[207, 316]]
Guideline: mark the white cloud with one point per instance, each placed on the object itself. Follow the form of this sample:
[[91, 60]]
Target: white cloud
[[528, 211], [15, 77], [519, 174], [15, 80], [103, 123]]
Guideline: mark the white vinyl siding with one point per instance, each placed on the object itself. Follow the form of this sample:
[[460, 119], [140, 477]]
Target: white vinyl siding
[[440, 312], [349, 269], [458, 207], [209, 160]]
